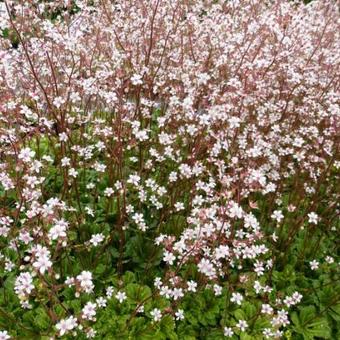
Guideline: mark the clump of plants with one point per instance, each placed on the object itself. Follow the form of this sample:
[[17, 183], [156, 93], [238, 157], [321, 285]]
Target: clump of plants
[[169, 169]]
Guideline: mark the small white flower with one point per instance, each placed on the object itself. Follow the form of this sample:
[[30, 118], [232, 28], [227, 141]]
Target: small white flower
[[179, 206], [177, 293], [236, 298], [9, 265], [217, 290], [4, 335], [24, 284], [313, 218], [89, 311], [42, 263], [268, 333], [58, 230], [192, 285], [26, 155], [108, 192], [207, 268], [120, 296], [73, 172], [58, 101], [65, 325], [156, 314], [96, 239], [85, 279], [277, 215], [173, 176], [63, 137], [136, 79], [314, 264], [101, 302], [169, 257], [90, 333], [242, 325], [65, 161], [329, 259], [266, 309], [228, 332], [89, 211], [140, 309], [179, 314], [109, 291]]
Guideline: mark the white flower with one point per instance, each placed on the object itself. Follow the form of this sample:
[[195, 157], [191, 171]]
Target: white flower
[[42, 258], [277, 215], [177, 293], [165, 291], [217, 290], [120, 296], [242, 325], [42, 263], [101, 302], [90, 333], [156, 314], [266, 309], [173, 176], [179, 314], [24, 284], [313, 218], [297, 297], [89, 311], [65, 325], [69, 281], [26, 155], [268, 333], [235, 210], [169, 257], [109, 291], [281, 319], [65, 161], [207, 268], [96, 239], [259, 269], [58, 230], [192, 285], [9, 265], [222, 252], [314, 264], [228, 332], [63, 137], [158, 282], [108, 192], [4, 335], [236, 298], [73, 172], [58, 101], [136, 79], [89, 211], [179, 206], [140, 309], [329, 259], [85, 279]]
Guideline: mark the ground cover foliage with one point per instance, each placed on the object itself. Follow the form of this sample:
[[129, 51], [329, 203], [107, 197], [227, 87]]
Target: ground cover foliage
[[169, 170]]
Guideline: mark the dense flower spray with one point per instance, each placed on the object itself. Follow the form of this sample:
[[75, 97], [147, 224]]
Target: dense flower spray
[[179, 123]]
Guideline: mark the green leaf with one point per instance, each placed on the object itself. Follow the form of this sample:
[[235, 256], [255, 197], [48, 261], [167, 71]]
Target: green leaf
[[240, 314], [306, 314], [41, 320], [137, 293], [310, 326]]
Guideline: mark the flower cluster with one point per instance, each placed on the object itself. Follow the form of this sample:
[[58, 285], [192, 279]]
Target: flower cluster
[[199, 137]]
